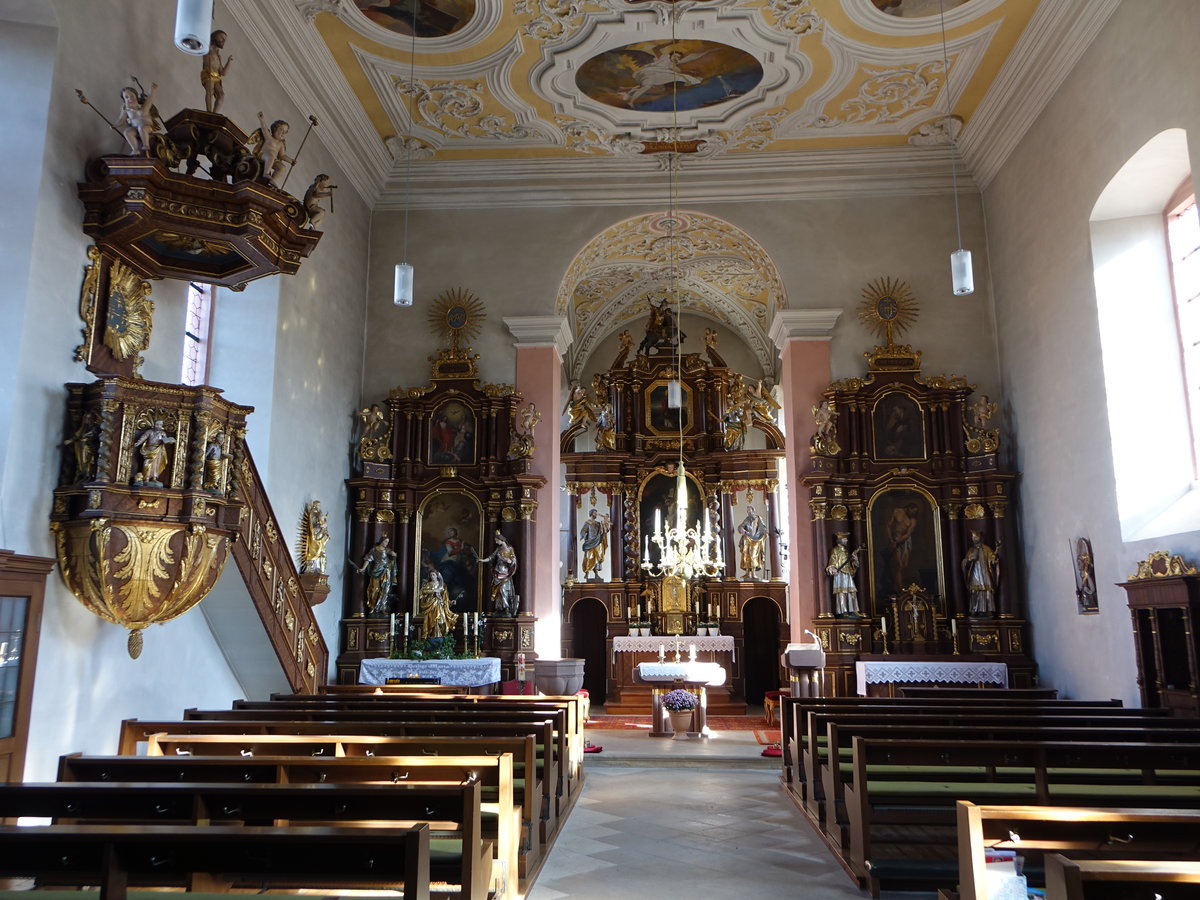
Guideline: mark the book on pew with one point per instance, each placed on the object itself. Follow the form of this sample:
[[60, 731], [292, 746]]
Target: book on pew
[[1004, 878]]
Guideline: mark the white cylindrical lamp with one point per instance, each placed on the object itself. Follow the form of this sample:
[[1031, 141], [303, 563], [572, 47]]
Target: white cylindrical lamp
[[961, 273], [402, 294], [193, 25]]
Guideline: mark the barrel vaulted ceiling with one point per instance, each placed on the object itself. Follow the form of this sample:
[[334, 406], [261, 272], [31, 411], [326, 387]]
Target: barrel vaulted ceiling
[[547, 102]]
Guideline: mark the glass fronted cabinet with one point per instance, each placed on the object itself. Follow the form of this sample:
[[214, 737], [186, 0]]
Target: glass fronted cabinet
[[22, 589]]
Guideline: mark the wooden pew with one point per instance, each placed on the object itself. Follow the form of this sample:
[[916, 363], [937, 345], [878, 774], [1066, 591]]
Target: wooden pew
[[458, 853], [1120, 879], [528, 791], [1037, 832], [794, 709], [828, 762], [116, 857], [343, 690], [135, 733], [926, 801], [501, 819], [972, 693]]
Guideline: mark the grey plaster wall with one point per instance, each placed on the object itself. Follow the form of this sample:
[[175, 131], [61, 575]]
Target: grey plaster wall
[[313, 335], [1137, 79]]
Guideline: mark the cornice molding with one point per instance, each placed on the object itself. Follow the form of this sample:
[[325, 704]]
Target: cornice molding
[[1056, 37], [278, 31], [803, 325], [540, 331]]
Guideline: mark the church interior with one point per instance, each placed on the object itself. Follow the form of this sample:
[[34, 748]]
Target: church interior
[[597, 336]]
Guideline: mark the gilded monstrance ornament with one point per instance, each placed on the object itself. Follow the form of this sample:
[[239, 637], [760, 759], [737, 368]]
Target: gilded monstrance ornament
[[457, 314], [888, 308]]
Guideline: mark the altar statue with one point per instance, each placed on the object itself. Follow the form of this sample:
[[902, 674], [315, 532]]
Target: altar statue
[[379, 565], [752, 544], [314, 539], [503, 560], [843, 566], [434, 602], [981, 568], [593, 536]]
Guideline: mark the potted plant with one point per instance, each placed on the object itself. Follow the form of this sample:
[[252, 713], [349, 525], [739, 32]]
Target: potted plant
[[680, 704]]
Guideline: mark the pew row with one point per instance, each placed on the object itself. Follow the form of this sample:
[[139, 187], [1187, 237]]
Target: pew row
[[1039, 832], [895, 825], [501, 820], [1121, 879]]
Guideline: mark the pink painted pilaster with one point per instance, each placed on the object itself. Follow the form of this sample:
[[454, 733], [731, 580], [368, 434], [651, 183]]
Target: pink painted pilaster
[[541, 342], [802, 336]]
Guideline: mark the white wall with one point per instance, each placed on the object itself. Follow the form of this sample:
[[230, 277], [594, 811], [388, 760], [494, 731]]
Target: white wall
[[1137, 79], [309, 333]]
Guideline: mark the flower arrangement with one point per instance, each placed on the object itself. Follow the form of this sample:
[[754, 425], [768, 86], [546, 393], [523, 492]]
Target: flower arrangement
[[434, 648], [680, 700]]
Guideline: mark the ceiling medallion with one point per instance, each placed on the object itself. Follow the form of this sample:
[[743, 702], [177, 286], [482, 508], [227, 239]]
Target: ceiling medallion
[[669, 75]]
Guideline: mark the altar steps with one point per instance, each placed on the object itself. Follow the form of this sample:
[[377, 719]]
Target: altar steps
[[635, 700]]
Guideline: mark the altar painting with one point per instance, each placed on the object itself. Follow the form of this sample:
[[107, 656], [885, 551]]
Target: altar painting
[[658, 493], [661, 417], [449, 535], [904, 540], [899, 427], [452, 435]]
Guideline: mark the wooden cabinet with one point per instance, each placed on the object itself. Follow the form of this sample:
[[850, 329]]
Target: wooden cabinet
[[22, 587], [1165, 612]]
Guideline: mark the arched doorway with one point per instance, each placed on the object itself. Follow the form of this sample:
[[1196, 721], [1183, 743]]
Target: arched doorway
[[589, 631], [760, 651]]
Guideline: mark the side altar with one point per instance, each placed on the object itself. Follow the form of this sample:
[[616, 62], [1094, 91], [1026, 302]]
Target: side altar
[[441, 508], [913, 517]]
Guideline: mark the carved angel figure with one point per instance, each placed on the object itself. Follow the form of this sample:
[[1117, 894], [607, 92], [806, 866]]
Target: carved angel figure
[[376, 434], [824, 442], [520, 444], [578, 408], [314, 539], [982, 411]]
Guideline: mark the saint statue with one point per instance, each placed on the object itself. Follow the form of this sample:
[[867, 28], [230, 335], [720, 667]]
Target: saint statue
[[439, 620], [593, 537], [379, 565], [151, 445], [314, 539], [752, 544], [212, 72], [213, 454], [503, 560], [843, 566], [981, 569]]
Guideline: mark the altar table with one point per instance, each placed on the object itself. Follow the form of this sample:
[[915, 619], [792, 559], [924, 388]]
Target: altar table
[[722, 643], [471, 672], [691, 676], [930, 672], [630, 695]]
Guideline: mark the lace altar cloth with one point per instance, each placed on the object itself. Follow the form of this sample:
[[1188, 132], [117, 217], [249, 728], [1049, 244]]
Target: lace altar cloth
[[471, 672], [912, 672], [709, 672], [649, 644]]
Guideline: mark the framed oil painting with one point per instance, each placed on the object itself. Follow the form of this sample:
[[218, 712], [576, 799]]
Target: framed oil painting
[[904, 539], [658, 494], [661, 417], [1085, 575], [452, 435], [898, 427], [449, 535]]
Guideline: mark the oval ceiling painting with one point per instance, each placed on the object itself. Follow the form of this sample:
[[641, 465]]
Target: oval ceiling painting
[[915, 9], [661, 76], [435, 18]]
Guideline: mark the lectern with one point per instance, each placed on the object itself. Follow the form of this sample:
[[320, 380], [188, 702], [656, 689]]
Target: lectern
[[804, 662]]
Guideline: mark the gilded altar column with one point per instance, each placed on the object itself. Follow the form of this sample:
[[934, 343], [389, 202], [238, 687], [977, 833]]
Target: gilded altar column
[[572, 524], [803, 337], [541, 342], [773, 563], [1006, 540]]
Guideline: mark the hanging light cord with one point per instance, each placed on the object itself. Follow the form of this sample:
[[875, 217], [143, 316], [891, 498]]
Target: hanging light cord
[[672, 206], [408, 150], [949, 126]]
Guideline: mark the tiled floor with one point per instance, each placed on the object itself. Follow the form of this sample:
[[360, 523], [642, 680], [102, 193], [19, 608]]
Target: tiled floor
[[699, 819]]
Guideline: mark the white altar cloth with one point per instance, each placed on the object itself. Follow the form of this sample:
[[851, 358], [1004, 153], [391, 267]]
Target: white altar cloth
[[710, 672], [912, 672], [470, 672], [722, 643]]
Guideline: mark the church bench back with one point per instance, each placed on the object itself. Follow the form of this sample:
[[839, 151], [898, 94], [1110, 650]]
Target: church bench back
[[495, 773], [1119, 879], [1127, 833], [117, 856], [927, 798]]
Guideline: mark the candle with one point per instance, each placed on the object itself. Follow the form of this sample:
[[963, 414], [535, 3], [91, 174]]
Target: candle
[[646, 552], [406, 623], [657, 522], [392, 627], [954, 627], [662, 650], [884, 621]]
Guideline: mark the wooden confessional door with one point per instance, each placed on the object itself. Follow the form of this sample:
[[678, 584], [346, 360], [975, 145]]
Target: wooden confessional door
[[22, 587], [589, 625]]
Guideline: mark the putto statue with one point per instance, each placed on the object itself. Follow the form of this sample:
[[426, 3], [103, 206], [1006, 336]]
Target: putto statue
[[314, 539], [520, 445], [824, 441], [319, 189]]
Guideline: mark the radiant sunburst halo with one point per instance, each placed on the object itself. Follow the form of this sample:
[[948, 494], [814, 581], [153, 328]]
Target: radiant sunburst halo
[[457, 314], [888, 308]]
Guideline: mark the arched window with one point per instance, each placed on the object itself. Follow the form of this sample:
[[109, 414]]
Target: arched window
[[1142, 335]]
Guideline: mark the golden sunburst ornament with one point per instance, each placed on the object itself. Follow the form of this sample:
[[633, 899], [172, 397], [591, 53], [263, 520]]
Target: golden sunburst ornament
[[457, 314], [888, 308], [130, 312]]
